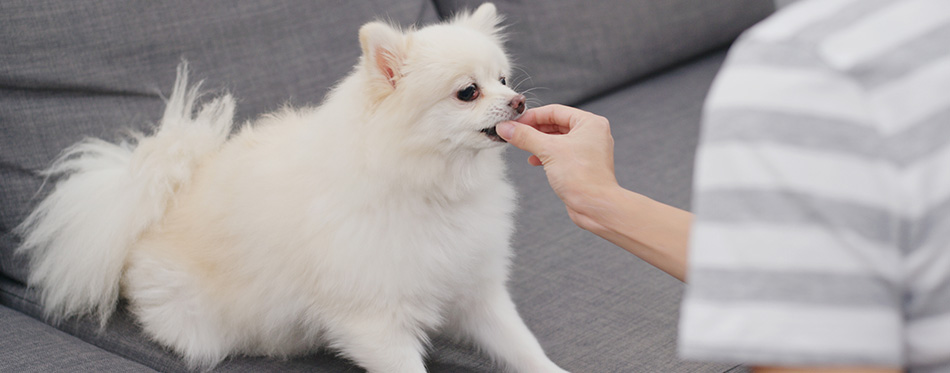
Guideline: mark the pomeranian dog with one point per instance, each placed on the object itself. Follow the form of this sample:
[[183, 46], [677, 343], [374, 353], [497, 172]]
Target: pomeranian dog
[[361, 225]]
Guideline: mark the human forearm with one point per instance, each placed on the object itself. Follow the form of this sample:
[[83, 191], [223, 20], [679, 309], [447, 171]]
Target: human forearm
[[653, 231], [576, 149]]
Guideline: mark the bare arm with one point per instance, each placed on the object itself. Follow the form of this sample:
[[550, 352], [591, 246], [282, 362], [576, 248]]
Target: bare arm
[[653, 231], [579, 165]]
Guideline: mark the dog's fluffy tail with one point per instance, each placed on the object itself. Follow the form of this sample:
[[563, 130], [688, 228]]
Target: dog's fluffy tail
[[108, 195]]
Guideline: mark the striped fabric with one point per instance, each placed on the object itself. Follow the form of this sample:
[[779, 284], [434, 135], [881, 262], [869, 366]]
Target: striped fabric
[[822, 192]]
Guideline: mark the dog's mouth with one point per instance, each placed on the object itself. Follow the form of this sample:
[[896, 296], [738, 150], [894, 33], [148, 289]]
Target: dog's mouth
[[492, 134]]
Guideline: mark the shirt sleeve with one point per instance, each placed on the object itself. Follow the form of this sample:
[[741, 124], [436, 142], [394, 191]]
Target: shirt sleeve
[[793, 252]]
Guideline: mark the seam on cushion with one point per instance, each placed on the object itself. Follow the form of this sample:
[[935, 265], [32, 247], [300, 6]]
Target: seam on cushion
[[739, 366], [34, 303], [18, 296], [27, 300]]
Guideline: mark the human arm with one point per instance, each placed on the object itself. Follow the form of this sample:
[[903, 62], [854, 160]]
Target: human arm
[[580, 168]]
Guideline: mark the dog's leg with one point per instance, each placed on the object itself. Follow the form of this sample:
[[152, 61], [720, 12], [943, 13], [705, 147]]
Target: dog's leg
[[377, 345], [489, 318]]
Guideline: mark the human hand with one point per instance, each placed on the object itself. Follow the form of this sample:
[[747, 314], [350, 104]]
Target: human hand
[[577, 152], [574, 146]]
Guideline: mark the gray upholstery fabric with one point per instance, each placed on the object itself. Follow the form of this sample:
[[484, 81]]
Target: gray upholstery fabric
[[655, 125], [71, 69], [28, 345], [573, 50], [783, 3]]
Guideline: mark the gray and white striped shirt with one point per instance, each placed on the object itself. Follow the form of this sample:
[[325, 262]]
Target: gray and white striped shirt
[[822, 192]]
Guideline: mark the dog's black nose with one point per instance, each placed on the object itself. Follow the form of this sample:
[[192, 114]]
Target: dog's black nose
[[517, 103]]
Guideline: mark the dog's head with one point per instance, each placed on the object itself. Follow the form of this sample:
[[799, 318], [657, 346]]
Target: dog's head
[[448, 83]]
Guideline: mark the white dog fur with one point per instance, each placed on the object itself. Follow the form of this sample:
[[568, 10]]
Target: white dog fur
[[361, 225]]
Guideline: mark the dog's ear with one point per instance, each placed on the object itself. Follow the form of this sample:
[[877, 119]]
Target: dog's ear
[[384, 49], [484, 19]]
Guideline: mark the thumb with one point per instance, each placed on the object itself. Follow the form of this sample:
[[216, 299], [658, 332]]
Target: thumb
[[522, 136]]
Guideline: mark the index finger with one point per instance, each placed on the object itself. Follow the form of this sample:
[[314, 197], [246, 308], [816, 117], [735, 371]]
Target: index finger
[[553, 118]]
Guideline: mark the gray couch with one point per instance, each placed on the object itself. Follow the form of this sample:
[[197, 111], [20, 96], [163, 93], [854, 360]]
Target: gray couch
[[70, 69]]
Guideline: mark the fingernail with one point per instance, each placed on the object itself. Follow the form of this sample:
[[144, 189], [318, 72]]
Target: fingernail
[[505, 130]]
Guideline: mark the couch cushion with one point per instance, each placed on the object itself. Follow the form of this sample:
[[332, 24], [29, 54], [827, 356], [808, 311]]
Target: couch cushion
[[71, 69], [572, 50], [28, 345]]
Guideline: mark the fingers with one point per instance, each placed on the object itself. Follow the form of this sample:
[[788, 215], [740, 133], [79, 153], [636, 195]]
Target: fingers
[[507, 131], [532, 132], [522, 136], [554, 118]]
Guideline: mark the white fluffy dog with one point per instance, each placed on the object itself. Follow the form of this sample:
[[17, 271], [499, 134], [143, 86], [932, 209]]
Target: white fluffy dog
[[360, 225]]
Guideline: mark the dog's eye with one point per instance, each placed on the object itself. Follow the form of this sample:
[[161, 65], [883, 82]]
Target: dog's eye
[[469, 93], [504, 81]]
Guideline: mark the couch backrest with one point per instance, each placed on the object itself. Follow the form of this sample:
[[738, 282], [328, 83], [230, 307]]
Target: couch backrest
[[76, 68], [574, 50]]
